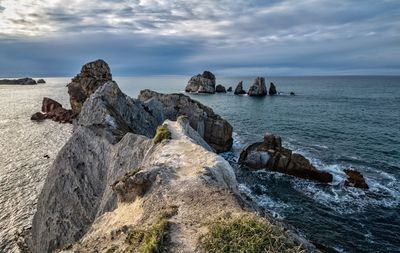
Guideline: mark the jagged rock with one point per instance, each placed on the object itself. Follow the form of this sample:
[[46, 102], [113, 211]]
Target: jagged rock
[[216, 131], [229, 89], [272, 89], [239, 89], [204, 83], [258, 87], [21, 81], [92, 76], [355, 179], [220, 89], [41, 81], [270, 154]]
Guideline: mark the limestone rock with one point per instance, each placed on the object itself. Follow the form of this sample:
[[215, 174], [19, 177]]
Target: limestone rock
[[258, 88], [220, 89], [239, 89], [272, 89], [21, 81], [270, 154], [92, 76], [355, 179], [216, 131], [204, 83]]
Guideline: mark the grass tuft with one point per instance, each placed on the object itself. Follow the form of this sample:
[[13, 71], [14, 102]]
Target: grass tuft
[[162, 133], [249, 234]]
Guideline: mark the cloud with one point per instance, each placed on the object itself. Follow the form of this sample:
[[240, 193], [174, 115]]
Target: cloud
[[176, 36]]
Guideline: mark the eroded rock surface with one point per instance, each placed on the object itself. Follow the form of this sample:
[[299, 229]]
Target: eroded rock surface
[[92, 76], [272, 155], [204, 83], [258, 88]]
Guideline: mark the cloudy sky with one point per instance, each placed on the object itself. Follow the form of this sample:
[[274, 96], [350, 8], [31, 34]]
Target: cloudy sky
[[229, 37]]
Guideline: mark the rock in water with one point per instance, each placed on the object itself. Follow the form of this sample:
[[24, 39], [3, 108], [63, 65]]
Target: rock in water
[[53, 110], [355, 179], [220, 89], [21, 81], [41, 81], [38, 116], [258, 88], [270, 154], [92, 76], [229, 89], [216, 131], [204, 83], [49, 105], [272, 89], [292, 93], [239, 89]]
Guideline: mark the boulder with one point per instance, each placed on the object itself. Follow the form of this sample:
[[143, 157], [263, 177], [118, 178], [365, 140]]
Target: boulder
[[229, 89], [355, 179], [239, 89], [204, 83], [220, 89], [92, 76], [258, 88], [41, 81], [216, 131], [21, 81], [272, 89], [271, 155]]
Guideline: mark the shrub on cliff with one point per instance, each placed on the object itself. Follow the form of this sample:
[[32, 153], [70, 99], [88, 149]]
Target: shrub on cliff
[[162, 133]]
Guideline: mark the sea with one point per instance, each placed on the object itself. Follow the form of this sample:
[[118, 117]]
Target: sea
[[337, 122]]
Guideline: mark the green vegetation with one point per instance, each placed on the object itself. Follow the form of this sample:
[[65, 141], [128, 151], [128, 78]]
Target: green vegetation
[[249, 234], [162, 133]]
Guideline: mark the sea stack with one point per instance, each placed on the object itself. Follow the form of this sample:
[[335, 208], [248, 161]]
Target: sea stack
[[204, 83], [239, 89], [258, 88], [272, 89], [220, 89]]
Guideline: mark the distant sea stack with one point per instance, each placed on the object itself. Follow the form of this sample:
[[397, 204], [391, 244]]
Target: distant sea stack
[[258, 88], [272, 89], [239, 89], [204, 83], [21, 81], [220, 89]]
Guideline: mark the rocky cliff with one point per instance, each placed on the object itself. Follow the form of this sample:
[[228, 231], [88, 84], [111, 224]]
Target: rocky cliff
[[113, 188]]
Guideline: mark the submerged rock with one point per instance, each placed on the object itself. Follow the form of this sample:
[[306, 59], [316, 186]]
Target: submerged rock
[[271, 155], [292, 93], [204, 83], [239, 89], [272, 89], [216, 131], [229, 89], [220, 89], [41, 81], [92, 76], [258, 88], [21, 81], [355, 179]]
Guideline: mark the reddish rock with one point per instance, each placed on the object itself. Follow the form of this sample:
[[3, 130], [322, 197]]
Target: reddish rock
[[270, 154], [53, 110], [355, 179], [49, 105]]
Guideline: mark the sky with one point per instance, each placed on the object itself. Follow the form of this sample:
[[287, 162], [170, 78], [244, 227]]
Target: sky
[[227, 37]]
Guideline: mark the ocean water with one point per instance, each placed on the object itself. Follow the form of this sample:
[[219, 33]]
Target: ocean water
[[336, 122]]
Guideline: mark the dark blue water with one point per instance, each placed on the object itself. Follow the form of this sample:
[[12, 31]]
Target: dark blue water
[[336, 122]]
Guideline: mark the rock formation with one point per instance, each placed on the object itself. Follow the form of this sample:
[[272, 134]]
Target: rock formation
[[258, 88], [22, 81], [292, 93], [204, 83], [239, 89], [272, 89], [355, 179], [92, 76], [229, 89], [220, 89], [216, 131], [41, 81], [51, 109], [270, 154]]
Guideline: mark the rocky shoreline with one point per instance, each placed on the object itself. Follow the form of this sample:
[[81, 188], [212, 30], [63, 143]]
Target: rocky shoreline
[[133, 164]]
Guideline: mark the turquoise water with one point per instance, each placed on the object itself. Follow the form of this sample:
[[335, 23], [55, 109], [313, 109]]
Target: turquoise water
[[336, 122]]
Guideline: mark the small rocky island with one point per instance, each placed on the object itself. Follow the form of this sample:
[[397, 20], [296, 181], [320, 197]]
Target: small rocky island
[[21, 81], [144, 175]]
